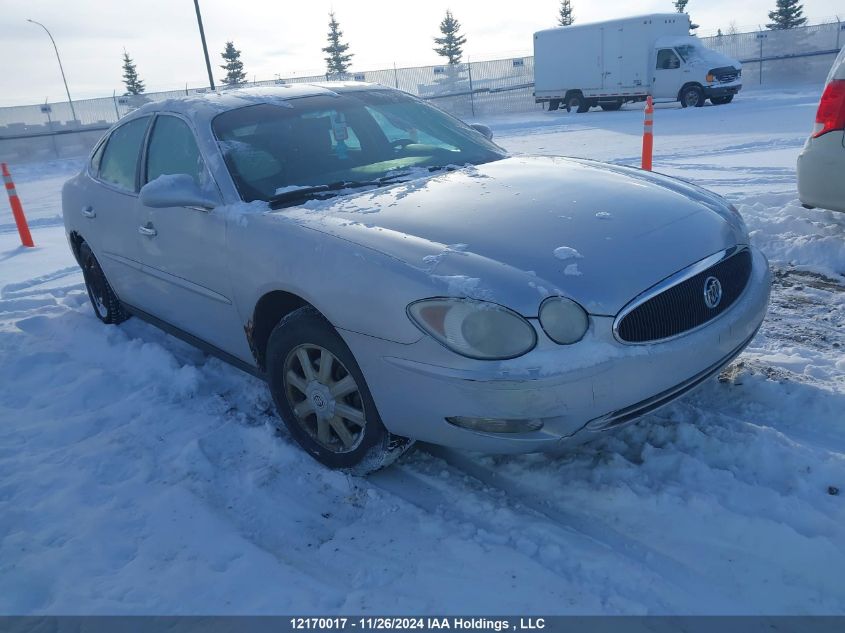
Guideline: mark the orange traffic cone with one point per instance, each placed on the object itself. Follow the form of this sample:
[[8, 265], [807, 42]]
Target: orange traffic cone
[[648, 136], [17, 209]]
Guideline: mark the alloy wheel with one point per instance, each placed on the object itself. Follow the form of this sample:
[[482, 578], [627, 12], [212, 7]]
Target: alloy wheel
[[325, 398]]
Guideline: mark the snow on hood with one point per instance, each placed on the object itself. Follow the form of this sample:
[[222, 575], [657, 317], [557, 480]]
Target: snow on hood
[[516, 230]]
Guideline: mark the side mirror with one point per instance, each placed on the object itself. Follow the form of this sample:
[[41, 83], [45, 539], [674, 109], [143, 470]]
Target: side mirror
[[175, 190], [484, 130]]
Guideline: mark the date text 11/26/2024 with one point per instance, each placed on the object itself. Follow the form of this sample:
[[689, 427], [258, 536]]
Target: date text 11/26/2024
[[372, 623]]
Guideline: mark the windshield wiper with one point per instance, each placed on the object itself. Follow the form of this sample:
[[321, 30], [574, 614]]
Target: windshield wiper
[[324, 192]]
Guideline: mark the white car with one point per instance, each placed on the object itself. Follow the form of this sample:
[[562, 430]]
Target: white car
[[821, 164]]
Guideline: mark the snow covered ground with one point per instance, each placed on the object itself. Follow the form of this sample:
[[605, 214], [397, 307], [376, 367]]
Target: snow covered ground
[[138, 475]]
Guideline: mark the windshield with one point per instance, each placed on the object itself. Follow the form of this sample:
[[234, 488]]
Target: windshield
[[357, 136], [688, 52]]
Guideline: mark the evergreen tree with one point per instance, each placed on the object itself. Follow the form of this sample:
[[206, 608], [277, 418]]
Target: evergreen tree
[[337, 62], [681, 7], [565, 17], [234, 67], [134, 86], [787, 15], [451, 44]]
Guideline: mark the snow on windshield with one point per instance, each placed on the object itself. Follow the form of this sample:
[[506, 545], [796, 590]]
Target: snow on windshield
[[689, 52]]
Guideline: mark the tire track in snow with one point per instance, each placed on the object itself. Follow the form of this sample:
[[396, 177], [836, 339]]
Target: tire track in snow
[[588, 535], [13, 289], [590, 528]]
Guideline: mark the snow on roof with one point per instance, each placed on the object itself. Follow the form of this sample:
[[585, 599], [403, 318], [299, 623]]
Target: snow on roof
[[678, 40], [680, 18], [205, 106]]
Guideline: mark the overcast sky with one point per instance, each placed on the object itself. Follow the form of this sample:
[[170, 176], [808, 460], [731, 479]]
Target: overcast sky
[[284, 37]]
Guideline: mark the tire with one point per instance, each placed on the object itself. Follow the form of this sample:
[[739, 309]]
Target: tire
[[721, 100], [352, 438], [691, 96], [554, 104], [576, 101], [106, 305], [611, 106]]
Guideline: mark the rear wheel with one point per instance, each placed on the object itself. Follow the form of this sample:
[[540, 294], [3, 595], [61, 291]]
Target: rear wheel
[[105, 303], [692, 96], [322, 397], [577, 102], [721, 100], [554, 104]]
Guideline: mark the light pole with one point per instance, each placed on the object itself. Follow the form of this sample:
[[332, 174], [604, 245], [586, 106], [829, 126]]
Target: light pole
[[69, 100], [204, 47]]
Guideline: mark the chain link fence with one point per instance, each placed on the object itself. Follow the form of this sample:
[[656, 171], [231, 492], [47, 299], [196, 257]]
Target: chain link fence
[[471, 90]]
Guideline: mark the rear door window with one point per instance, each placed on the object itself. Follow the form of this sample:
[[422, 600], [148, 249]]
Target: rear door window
[[119, 164]]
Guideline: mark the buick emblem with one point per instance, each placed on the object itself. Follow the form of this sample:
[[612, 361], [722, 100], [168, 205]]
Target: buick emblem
[[712, 292]]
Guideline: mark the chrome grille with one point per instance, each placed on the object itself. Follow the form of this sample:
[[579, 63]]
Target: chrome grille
[[682, 307]]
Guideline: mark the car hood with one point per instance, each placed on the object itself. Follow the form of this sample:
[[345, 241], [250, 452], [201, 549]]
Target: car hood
[[522, 228]]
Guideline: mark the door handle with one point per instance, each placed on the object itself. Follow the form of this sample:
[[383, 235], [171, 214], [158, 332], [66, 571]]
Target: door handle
[[147, 231], [89, 212]]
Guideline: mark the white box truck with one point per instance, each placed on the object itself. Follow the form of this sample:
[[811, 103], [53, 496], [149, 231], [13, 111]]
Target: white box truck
[[610, 63]]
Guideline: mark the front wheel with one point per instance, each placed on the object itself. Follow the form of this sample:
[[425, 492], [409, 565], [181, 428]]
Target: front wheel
[[105, 303], [721, 100], [322, 397], [692, 97]]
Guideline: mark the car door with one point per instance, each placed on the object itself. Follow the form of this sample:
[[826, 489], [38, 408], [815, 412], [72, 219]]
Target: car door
[[668, 75], [183, 249], [109, 207]]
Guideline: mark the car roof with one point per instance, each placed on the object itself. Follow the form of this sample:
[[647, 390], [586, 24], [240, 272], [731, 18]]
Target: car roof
[[202, 107]]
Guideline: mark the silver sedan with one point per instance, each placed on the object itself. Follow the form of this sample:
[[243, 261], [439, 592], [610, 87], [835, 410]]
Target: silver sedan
[[395, 276]]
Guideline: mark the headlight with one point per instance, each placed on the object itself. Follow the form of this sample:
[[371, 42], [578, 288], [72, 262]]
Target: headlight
[[476, 329], [563, 320]]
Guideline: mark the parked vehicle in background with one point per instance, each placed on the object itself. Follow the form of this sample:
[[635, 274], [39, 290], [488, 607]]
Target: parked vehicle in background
[[365, 253], [610, 63], [821, 164]]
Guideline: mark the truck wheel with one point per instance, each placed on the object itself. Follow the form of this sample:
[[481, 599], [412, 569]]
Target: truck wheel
[[721, 100], [105, 303], [323, 399], [577, 102], [554, 104], [611, 106], [692, 96]]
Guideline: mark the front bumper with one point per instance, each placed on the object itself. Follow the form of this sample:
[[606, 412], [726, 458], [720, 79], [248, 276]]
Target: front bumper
[[717, 90], [820, 167], [577, 391]]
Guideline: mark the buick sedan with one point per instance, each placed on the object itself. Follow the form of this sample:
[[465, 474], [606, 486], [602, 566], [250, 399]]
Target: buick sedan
[[394, 275]]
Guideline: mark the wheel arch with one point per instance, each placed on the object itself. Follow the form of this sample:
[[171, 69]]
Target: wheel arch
[[76, 240], [269, 310], [688, 85]]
